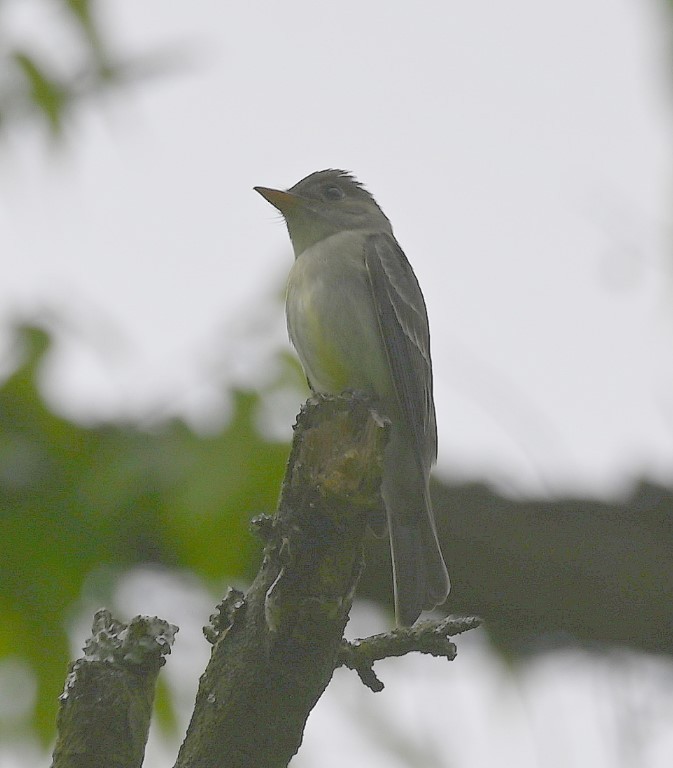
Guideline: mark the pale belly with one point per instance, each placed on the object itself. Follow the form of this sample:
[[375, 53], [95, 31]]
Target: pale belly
[[332, 322]]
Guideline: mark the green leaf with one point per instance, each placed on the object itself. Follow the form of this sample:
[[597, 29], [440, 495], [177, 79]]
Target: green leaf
[[77, 501], [46, 93]]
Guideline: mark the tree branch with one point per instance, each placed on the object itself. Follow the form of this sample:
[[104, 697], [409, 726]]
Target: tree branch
[[431, 637], [276, 647], [553, 573], [105, 709]]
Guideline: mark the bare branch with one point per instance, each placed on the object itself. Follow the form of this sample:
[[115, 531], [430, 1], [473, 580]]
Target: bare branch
[[431, 637], [275, 648], [105, 709]]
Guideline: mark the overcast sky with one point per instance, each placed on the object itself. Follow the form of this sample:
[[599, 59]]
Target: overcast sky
[[522, 151]]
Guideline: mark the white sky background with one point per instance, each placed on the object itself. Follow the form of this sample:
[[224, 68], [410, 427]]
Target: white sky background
[[523, 153]]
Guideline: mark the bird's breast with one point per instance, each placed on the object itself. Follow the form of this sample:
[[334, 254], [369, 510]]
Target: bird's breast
[[332, 320]]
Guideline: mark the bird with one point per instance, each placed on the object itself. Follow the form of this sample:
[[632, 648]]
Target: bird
[[358, 321]]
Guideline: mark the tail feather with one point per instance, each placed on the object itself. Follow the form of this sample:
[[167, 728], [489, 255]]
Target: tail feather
[[409, 579], [420, 577]]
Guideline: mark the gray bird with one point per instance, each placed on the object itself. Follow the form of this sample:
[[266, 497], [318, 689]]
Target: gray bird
[[357, 318]]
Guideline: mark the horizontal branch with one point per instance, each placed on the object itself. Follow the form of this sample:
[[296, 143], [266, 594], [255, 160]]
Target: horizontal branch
[[431, 637]]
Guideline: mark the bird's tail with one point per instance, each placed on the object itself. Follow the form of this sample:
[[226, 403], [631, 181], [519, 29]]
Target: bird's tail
[[420, 577]]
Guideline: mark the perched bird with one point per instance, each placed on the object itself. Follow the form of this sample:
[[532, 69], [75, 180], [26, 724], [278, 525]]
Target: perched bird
[[357, 318]]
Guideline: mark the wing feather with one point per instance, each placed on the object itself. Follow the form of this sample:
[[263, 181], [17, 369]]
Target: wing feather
[[403, 321]]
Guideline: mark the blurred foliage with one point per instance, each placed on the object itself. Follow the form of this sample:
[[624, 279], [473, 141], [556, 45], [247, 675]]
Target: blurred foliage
[[44, 76], [79, 505], [77, 500]]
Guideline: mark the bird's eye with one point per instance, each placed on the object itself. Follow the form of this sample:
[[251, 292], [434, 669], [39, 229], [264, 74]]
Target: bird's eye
[[333, 193]]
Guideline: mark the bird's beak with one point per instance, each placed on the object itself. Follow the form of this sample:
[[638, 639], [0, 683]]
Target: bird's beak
[[284, 201]]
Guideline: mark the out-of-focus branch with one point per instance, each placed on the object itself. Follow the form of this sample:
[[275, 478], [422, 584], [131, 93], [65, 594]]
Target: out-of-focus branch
[[547, 573]]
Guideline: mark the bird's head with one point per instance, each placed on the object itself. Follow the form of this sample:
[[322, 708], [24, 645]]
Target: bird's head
[[324, 203]]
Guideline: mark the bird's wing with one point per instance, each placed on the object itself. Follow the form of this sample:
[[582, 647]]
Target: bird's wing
[[403, 321]]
